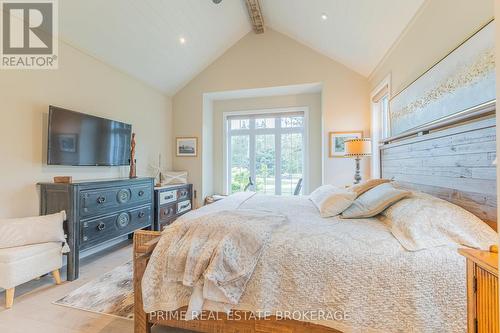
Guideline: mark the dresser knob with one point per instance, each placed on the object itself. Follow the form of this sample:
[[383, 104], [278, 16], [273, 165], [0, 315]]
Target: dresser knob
[[141, 215], [141, 193], [101, 200], [101, 226]]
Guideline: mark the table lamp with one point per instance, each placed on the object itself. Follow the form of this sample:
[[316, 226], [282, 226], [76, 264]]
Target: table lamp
[[358, 148]]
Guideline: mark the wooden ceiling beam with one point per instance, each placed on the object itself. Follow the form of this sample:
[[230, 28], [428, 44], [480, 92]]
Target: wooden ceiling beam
[[256, 17]]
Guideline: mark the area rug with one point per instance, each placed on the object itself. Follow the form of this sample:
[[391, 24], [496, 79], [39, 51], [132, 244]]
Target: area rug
[[110, 294]]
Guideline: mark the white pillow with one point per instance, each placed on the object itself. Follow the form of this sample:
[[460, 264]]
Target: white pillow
[[422, 221], [331, 200], [32, 230]]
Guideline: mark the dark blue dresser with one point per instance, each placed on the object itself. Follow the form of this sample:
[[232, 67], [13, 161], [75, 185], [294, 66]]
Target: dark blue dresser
[[98, 211]]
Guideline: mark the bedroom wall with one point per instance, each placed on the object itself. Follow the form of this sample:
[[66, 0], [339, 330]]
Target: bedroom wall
[[84, 84], [437, 28], [312, 101], [271, 60]]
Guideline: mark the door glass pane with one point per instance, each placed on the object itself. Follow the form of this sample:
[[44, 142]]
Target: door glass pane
[[291, 161], [290, 122], [265, 162], [240, 124], [240, 162], [264, 123]]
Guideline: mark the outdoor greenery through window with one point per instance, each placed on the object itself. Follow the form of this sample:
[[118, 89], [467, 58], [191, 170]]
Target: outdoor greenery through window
[[265, 152]]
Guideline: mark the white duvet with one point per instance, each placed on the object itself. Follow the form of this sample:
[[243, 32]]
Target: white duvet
[[353, 269]]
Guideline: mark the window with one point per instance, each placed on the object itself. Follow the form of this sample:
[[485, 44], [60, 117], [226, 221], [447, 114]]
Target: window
[[265, 151], [384, 113], [380, 128]]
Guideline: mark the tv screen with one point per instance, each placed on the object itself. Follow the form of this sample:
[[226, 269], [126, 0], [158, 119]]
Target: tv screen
[[80, 139]]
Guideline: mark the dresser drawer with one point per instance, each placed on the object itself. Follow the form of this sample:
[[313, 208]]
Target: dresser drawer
[[183, 206], [167, 212], [166, 197], [184, 193], [98, 230], [94, 202]]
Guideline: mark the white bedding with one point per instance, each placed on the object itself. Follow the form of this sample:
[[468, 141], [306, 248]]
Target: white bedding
[[353, 267]]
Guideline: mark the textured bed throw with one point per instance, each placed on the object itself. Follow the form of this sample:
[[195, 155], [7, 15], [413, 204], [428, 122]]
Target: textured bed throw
[[354, 267], [213, 256]]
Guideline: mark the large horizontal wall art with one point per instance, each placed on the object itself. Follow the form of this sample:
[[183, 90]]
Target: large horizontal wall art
[[462, 80]]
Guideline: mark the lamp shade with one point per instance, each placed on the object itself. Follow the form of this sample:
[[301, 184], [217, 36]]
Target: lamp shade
[[358, 147]]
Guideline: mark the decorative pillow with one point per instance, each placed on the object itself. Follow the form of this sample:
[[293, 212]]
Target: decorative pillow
[[367, 185], [174, 177], [374, 201], [331, 200], [32, 230], [422, 221]]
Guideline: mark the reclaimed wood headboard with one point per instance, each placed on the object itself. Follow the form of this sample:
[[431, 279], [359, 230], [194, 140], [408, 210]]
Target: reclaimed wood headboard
[[451, 159]]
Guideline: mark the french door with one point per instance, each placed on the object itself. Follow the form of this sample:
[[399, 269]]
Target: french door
[[265, 152]]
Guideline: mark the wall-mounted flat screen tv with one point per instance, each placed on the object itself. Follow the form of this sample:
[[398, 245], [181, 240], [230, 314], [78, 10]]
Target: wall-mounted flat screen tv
[[83, 140]]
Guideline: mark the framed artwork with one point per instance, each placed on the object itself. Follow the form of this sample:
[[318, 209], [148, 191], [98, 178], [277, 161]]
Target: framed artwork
[[462, 80], [337, 142], [187, 147]]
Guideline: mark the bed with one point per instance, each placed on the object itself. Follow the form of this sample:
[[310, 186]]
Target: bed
[[355, 269]]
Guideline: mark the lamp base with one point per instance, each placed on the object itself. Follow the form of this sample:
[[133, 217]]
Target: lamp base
[[357, 174]]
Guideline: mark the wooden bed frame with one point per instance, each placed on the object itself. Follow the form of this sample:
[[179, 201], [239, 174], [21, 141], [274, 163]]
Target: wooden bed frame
[[451, 159]]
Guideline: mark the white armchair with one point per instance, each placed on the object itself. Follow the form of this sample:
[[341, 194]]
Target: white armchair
[[29, 248]]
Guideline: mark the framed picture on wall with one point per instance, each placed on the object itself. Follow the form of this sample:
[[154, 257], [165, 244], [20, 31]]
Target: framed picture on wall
[[187, 147], [337, 142]]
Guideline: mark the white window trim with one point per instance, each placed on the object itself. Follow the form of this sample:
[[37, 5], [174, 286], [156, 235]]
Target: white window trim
[[375, 124], [225, 156]]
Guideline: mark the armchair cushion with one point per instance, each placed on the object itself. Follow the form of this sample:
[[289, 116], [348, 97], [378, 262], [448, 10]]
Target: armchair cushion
[[32, 230], [21, 264]]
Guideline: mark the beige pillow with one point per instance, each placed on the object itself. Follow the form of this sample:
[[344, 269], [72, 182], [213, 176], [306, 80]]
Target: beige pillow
[[374, 201], [367, 185], [331, 200], [422, 221], [32, 230]]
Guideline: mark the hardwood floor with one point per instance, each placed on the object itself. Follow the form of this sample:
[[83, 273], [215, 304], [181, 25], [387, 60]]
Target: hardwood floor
[[33, 311]]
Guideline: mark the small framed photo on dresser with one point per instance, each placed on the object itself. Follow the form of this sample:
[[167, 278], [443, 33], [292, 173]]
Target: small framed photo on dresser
[[187, 147], [337, 142]]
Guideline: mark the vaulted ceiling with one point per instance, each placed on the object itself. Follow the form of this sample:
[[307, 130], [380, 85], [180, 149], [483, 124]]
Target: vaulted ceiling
[[166, 43]]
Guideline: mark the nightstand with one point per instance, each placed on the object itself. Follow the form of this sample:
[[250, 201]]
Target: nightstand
[[171, 201], [482, 290]]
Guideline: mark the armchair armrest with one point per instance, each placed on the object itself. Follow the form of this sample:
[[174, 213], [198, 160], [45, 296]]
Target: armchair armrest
[[145, 241]]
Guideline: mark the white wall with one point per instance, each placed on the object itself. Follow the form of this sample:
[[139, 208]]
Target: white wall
[[438, 28], [311, 101], [273, 60], [83, 84]]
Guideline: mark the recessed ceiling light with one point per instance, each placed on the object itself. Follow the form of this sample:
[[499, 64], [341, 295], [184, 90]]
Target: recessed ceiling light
[[324, 17], [182, 40]]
